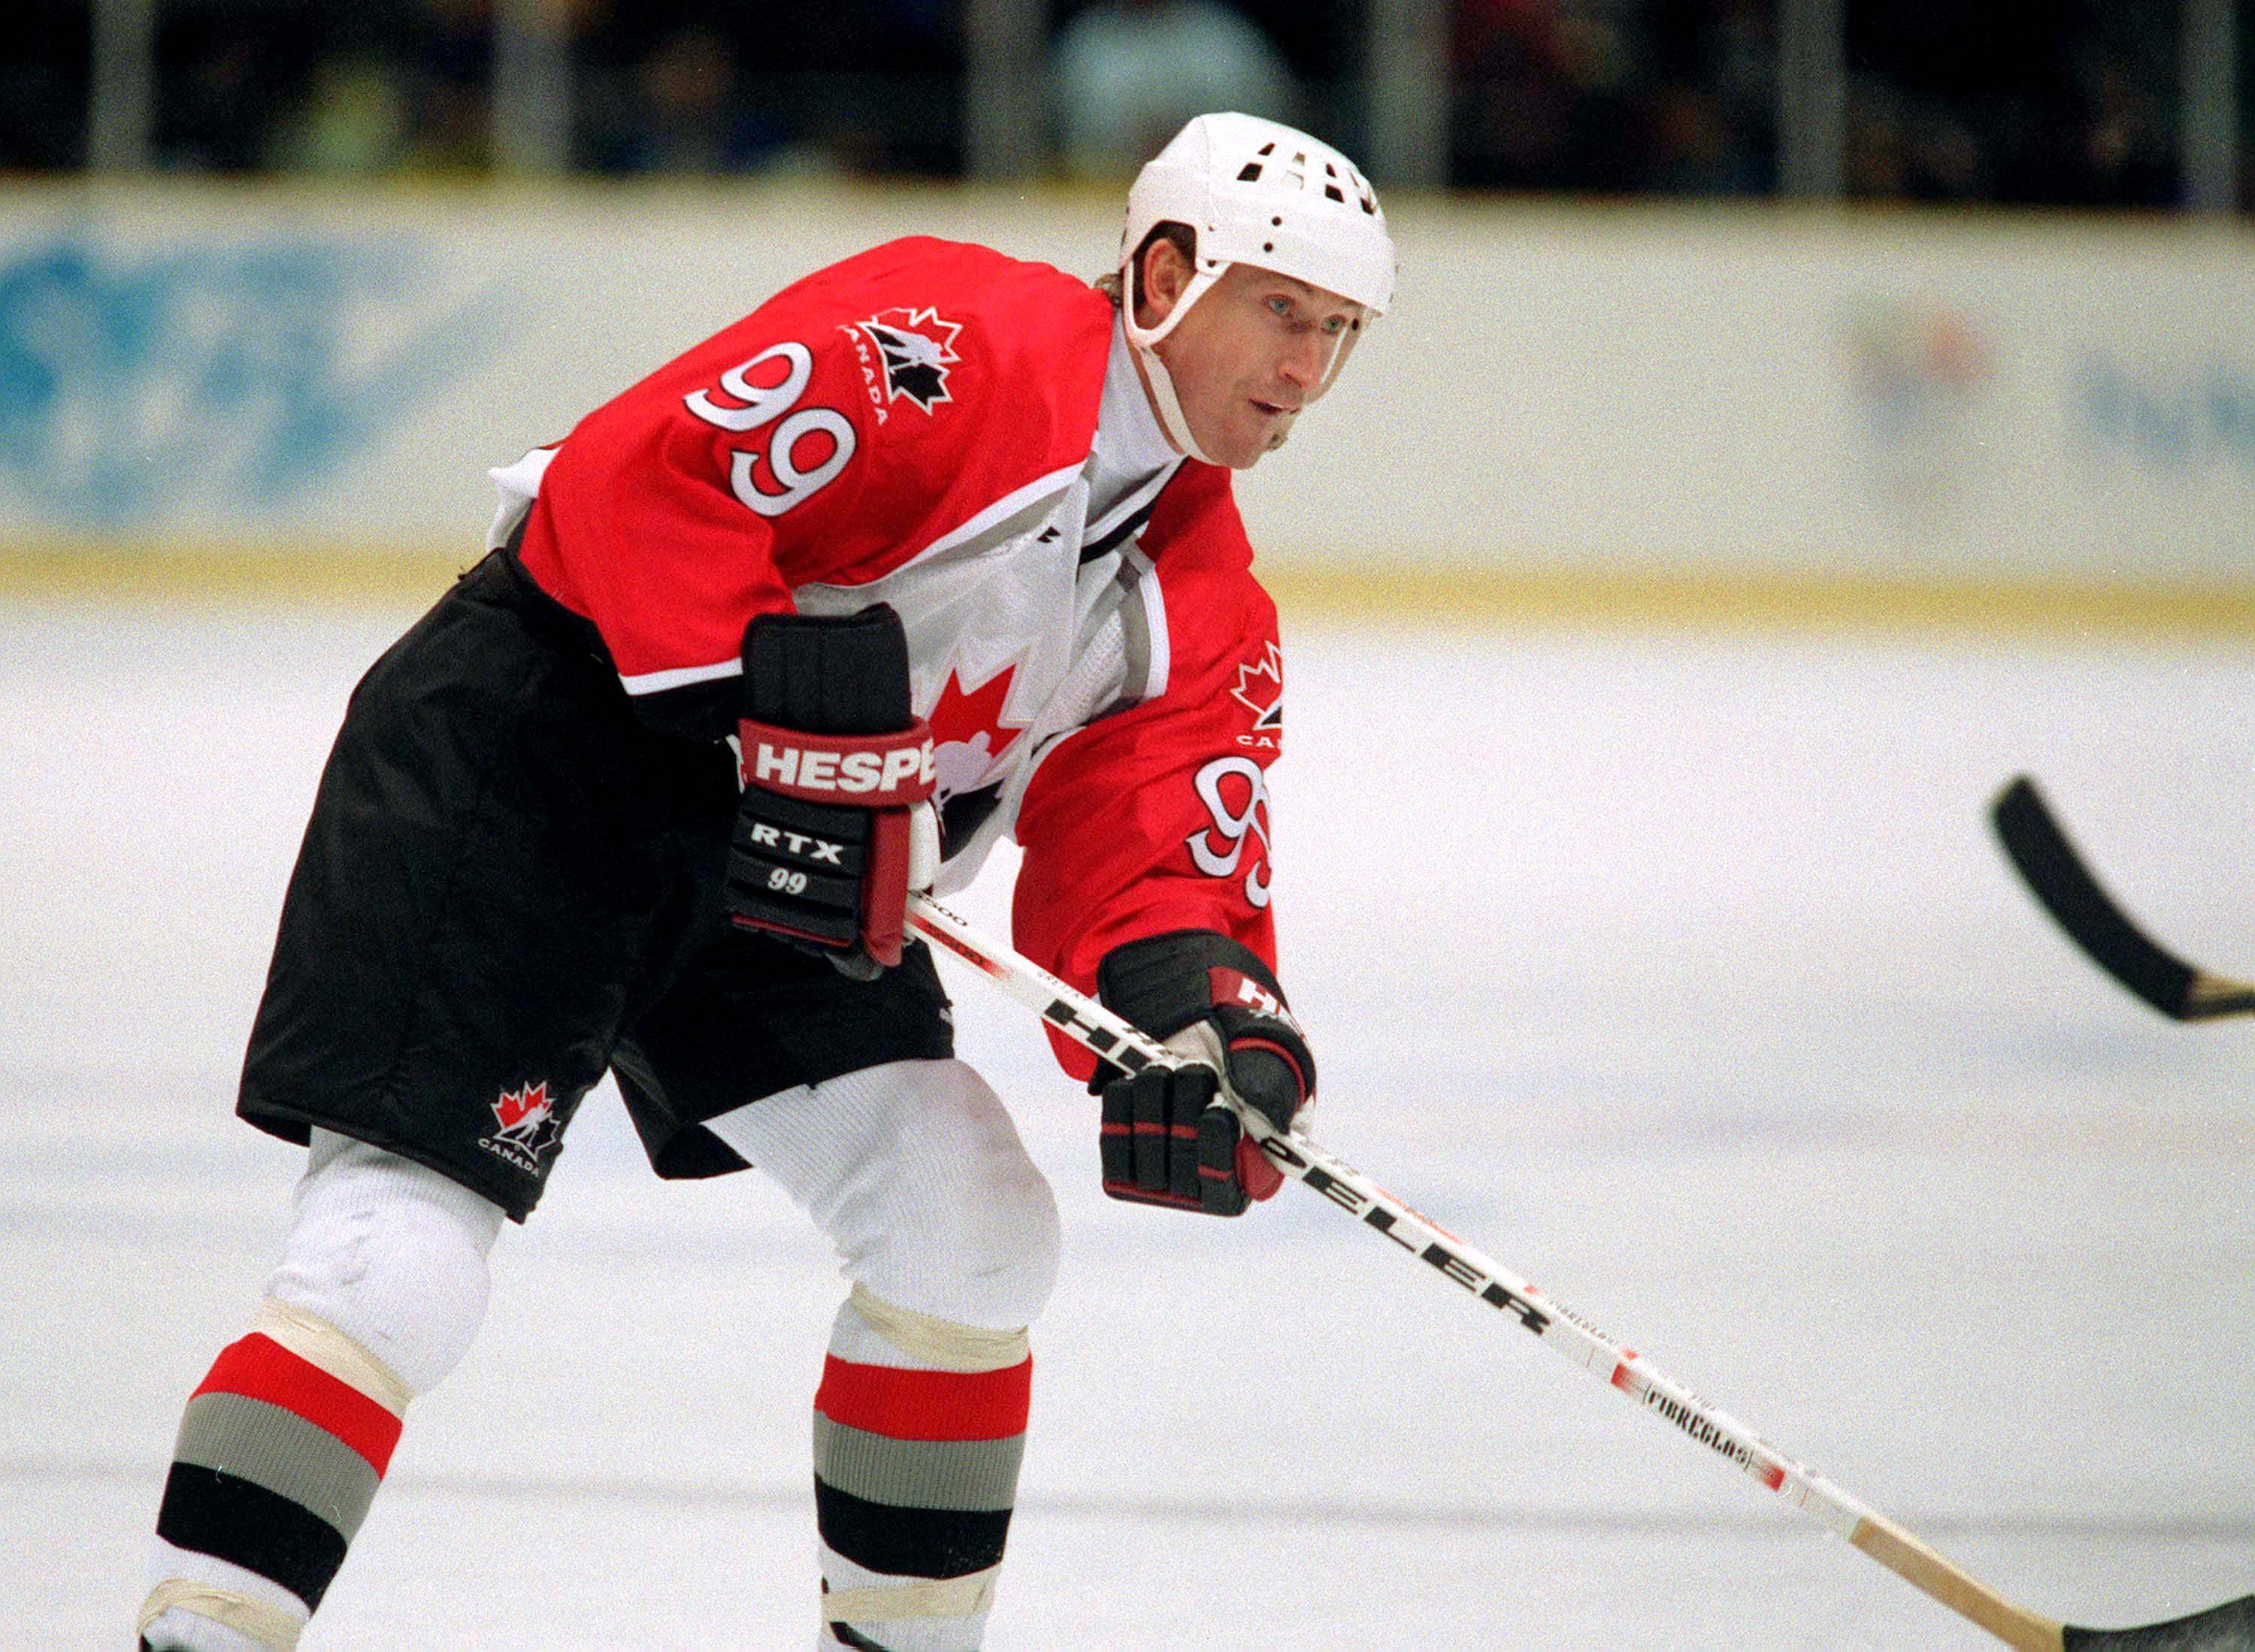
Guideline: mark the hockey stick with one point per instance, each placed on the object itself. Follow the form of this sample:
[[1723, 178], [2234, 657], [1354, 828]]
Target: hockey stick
[[2229, 1627], [2048, 863]]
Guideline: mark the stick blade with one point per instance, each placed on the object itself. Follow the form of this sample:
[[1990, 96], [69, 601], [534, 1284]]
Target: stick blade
[[2229, 1627], [2215, 995], [2056, 874]]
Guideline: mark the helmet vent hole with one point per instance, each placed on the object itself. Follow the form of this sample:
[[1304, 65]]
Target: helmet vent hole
[[1267, 246], [1332, 191], [1250, 173], [1266, 149]]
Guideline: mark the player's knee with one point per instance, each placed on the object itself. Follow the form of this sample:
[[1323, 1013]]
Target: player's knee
[[390, 1254], [993, 1267], [958, 1224]]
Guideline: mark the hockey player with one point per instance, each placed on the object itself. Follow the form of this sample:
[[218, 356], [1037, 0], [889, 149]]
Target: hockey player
[[932, 547]]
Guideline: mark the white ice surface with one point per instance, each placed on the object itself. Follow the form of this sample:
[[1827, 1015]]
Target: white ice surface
[[1679, 974]]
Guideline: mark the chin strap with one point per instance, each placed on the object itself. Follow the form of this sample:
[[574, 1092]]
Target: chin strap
[[1169, 406], [1145, 341]]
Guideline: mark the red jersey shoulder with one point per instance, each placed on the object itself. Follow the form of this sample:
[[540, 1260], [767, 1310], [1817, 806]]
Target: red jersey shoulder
[[936, 321], [862, 414], [926, 380], [1024, 347]]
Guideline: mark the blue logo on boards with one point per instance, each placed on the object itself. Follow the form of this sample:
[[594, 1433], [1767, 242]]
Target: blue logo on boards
[[133, 385], [2174, 417]]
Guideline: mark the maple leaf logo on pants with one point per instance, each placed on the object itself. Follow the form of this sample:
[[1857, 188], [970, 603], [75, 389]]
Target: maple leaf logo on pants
[[527, 1127]]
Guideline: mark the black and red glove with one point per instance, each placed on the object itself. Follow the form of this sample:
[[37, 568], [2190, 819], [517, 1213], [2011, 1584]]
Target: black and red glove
[[835, 826], [1168, 1138]]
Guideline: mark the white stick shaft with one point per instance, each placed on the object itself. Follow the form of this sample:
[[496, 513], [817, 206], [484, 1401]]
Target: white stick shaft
[[1090, 1023], [1098, 1029]]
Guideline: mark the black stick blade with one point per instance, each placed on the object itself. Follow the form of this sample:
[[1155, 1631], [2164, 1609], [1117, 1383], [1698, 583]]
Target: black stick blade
[[2229, 1627], [2055, 873]]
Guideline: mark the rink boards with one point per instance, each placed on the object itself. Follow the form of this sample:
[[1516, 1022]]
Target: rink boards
[[1682, 411]]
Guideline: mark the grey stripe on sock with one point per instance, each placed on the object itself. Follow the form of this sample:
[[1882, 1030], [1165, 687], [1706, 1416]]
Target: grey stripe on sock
[[960, 1474], [276, 1449]]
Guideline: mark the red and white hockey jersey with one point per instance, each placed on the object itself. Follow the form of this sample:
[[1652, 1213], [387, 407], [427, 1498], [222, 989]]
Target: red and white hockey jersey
[[961, 435]]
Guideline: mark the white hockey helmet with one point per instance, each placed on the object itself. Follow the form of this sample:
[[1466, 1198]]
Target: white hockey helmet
[[1259, 192]]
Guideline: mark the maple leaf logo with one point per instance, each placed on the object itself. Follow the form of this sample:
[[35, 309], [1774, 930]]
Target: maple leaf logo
[[516, 1106], [969, 736], [1260, 689], [916, 347], [525, 1125]]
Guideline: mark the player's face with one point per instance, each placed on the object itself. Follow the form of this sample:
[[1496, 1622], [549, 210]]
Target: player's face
[[1250, 355]]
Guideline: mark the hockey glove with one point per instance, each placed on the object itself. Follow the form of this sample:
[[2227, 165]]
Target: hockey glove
[[835, 826], [1168, 1138]]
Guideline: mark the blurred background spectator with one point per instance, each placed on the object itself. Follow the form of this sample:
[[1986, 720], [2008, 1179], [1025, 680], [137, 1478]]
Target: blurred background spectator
[[1128, 73], [716, 87], [2036, 102], [45, 49]]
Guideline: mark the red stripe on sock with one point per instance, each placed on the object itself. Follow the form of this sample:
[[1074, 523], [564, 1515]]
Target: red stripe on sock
[[927, 1405], [261, 1368]]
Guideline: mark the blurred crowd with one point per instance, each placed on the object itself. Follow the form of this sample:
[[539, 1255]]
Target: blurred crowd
[[2021, 101]]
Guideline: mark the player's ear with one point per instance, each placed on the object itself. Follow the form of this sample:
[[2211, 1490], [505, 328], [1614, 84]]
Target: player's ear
[[1166, 272]]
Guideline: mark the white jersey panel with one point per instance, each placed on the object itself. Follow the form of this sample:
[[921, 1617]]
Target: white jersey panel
[[1014, 643]]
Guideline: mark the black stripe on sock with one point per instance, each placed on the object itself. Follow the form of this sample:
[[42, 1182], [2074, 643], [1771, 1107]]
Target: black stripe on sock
[[910, 1543], [845, 1635], [216, 1514]]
